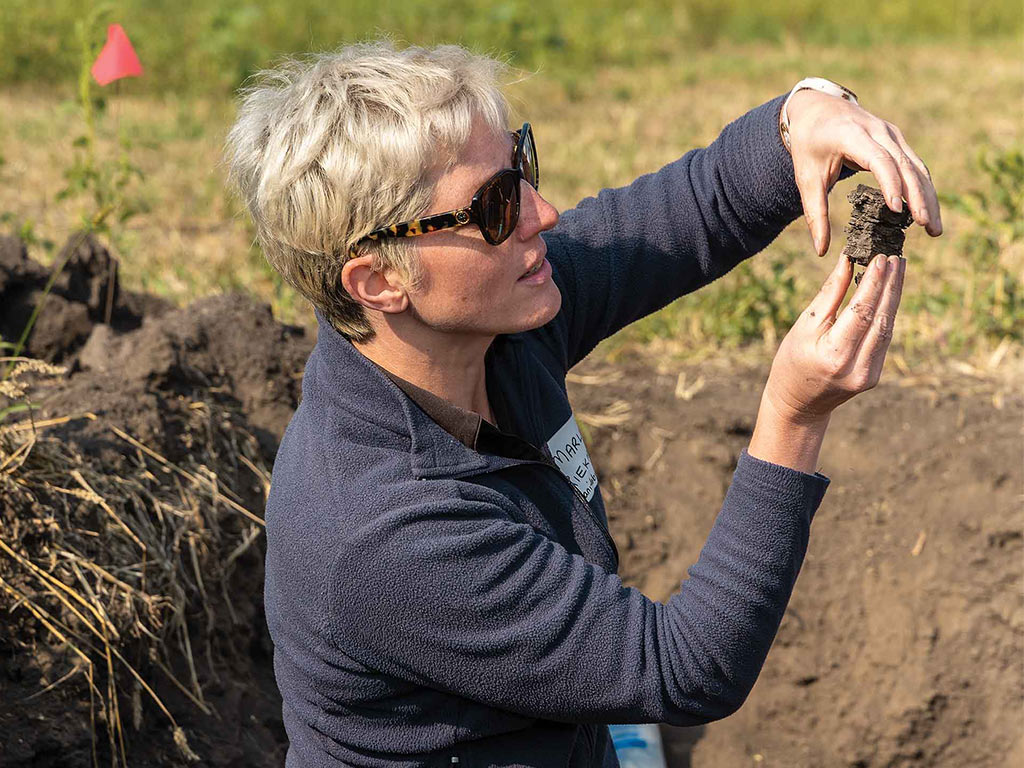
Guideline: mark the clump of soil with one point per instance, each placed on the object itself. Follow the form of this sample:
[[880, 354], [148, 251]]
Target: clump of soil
[[874, 227], [85, 292]]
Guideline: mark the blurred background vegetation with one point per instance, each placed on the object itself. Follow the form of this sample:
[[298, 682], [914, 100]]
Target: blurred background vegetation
[[199, 46], [628, 86]]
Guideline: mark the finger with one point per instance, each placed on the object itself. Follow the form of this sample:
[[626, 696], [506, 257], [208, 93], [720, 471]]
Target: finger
[[814, 196], [910, 176], [868, 153], [934, 227], [871, 355], [853, 322], [823, 307]]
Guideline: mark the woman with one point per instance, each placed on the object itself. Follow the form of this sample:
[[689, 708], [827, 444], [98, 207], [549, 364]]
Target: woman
[[440, 582]]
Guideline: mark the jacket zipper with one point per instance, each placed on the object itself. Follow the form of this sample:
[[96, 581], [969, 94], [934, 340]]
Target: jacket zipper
[[583, 500], [592, 733], [590, 511], [545, 462], [518, 353]]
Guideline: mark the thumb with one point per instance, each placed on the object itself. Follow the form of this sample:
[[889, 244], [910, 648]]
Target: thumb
[[823, 307]]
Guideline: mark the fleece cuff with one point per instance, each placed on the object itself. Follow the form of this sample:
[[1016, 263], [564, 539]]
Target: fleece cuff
[[790, 488]]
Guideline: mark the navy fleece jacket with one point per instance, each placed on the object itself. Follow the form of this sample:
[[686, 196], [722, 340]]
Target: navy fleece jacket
[[433, 605]]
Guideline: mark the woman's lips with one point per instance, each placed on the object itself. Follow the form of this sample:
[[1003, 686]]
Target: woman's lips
[[539, 276]]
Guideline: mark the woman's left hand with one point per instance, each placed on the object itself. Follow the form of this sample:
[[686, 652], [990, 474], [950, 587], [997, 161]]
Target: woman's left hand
[[827, 132]]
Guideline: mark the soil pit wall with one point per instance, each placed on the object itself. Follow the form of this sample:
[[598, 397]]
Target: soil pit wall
[[903, 640]]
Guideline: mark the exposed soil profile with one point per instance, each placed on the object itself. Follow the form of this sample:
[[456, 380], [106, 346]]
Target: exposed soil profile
[[209, 390], [902, 645], [904, 639]]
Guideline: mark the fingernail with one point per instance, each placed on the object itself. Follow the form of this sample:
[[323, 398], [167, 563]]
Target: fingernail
[[894, 261], [896, 203], [880, 261]]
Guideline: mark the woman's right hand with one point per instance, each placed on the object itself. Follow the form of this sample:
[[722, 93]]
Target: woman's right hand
[[825, 360]]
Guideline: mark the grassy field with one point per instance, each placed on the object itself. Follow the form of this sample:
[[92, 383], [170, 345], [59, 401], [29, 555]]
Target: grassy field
[[197, 46], [628, 105]]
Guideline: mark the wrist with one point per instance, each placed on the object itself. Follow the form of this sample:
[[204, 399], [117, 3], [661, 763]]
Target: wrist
[[804, 92], [783, 438], [798, 102], [784, 409]]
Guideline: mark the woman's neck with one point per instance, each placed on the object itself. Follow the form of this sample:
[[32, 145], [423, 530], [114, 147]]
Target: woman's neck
[[447, 365]]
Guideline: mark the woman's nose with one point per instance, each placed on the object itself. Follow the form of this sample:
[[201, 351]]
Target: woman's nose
[[536, 213]]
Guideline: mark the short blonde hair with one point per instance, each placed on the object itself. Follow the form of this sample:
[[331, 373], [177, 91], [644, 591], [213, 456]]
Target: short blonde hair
[[328, 147]]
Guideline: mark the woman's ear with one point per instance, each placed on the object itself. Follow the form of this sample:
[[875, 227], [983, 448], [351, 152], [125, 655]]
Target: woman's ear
[[382, 291]]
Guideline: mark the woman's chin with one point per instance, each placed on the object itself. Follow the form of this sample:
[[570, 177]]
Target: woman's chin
[[545, 307]]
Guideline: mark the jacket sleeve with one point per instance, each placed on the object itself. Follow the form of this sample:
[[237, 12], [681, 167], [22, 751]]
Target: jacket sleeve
[[460, 597], [630, 251]]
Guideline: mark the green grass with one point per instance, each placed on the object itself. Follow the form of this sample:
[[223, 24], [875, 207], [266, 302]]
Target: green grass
[[198, 46], [627, 88]]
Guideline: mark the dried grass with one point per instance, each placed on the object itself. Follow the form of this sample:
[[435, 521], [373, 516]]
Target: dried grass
[[107, 563]]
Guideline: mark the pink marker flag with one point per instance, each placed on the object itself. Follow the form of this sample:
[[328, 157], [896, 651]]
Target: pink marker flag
[[117, 59]]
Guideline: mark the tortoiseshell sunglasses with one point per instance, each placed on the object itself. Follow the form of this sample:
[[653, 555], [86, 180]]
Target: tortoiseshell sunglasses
[[494, 208]]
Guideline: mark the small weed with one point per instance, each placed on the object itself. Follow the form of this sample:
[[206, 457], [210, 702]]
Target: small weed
[[26, 230], [992, 302], [104, 183]]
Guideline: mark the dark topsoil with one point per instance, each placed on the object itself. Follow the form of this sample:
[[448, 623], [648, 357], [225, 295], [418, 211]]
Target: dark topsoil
[[902, 645]]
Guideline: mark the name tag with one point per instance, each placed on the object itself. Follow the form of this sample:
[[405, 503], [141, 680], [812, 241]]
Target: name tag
[[570, 454]]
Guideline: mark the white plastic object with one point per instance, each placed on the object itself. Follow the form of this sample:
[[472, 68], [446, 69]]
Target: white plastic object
[[638, 746]]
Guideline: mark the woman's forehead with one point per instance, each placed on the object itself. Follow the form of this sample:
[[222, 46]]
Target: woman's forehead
[[486, 153], [487, 147]]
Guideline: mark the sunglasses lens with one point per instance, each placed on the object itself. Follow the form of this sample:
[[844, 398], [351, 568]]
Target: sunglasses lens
[[499, 206], [530, 160]]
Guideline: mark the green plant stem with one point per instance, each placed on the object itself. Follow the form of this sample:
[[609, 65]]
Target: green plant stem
[[85, 96]]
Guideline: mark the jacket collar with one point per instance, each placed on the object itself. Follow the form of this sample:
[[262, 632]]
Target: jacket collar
[[457, 421], [348, 379]]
